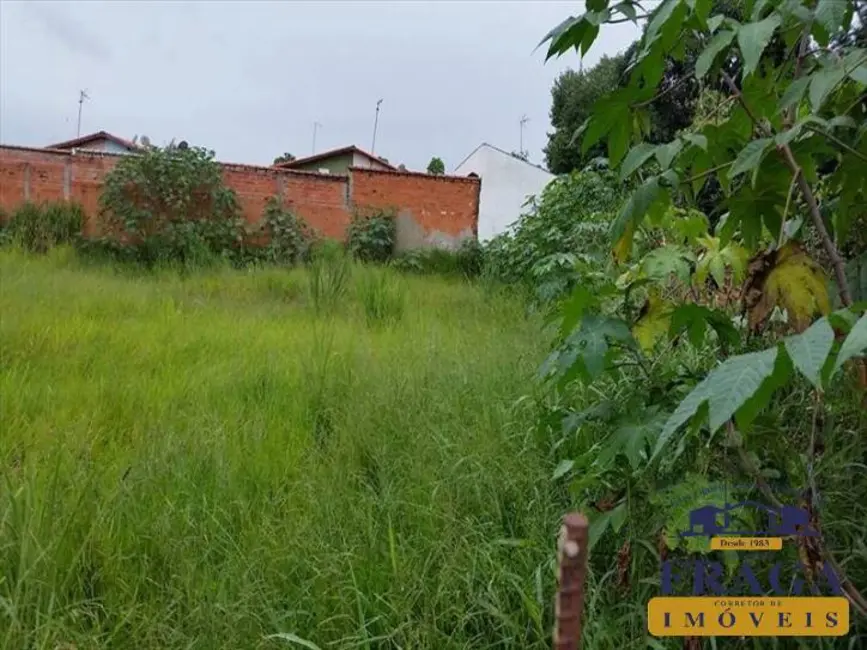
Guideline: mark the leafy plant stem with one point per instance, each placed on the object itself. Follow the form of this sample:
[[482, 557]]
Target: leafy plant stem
[[708, 172], [852, 594], [837, 141], [780, 241]]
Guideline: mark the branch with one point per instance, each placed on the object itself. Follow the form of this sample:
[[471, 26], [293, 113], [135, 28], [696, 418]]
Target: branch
[[708, 172], [672, 87], [837, 141], [819, 223]]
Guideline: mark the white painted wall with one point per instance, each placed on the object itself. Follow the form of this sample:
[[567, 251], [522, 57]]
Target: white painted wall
[[506, 183]]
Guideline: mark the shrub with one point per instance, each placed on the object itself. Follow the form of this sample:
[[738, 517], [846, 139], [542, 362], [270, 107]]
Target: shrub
[[562, 235], [289, 238], [38, 228], [383, 297], [371, 237], [170, 205], [466, 261]]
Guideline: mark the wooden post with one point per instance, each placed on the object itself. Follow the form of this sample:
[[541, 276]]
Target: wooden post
[[569, 607]]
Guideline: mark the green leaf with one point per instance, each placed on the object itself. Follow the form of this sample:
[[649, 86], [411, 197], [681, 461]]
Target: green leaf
[[660, 17], [753, 38], [714, 22], [635, 208], [563, 468], [585, 351], [666, 153], [294, 638], [636, 157], [696, 139], [628, 10], [717, 44], [854, 345], [696, 319], [823, 82], [809, 350], [601, 522], [630, 439], [831, 14], [855, 64], [661, 263], [750, 157], [794, 93], [618, 141], [726, 389]]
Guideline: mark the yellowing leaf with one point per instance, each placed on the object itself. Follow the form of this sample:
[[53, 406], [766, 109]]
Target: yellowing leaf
[[653, 323], [623, 246], [789, 279]]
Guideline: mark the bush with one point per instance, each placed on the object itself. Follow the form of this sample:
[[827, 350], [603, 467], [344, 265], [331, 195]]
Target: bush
[[382, 296], [289, 238], [38, 228], [466, 261], [169, 205], [371, 237], [562, 235]]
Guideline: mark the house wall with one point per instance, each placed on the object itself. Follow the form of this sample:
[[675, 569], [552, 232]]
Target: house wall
[[360, 160], [432, 211], [507, 182], [335, 164]]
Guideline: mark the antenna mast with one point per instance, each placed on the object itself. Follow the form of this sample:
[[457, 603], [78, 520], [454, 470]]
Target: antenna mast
[[82, 95], [316, 125], [524, 120], [375, 123]]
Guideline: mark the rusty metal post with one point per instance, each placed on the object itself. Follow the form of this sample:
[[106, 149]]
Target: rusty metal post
[[569, 607]]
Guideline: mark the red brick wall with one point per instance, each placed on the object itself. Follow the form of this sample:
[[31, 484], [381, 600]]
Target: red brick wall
[[436, 205]]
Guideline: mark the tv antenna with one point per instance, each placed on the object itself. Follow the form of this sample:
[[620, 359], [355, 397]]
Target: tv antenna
[[375, 123], [316, 126], [82, 95], [524, 120]]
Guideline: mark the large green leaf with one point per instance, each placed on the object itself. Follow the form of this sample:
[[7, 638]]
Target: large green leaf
[[726, 389], [637, 156], [631, 438], [855, 343], [635, 208], [823, 82], [663, 262], [696, 319], [794, 93], [753, 38], [750, 157], [809, 350], [717, 44], [831, 14]]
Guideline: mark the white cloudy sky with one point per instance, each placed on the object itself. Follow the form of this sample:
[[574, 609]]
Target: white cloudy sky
[[248, 79]]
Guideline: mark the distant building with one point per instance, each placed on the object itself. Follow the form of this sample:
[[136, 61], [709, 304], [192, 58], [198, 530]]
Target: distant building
[[99, 141], [507, 181], [338, 161]]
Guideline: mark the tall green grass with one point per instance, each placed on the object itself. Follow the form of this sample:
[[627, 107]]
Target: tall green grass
[[206, 461]]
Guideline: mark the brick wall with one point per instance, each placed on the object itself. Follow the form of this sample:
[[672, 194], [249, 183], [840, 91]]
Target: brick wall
[[432, 210]]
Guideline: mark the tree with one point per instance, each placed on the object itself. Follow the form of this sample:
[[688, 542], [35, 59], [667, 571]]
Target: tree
[[284, 158], [436, 166], [572, 99]]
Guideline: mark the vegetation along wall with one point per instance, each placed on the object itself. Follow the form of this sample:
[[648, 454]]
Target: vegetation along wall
[[438, 211]]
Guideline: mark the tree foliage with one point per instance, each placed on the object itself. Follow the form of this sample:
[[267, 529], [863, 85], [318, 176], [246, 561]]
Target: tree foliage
[[436, 166], [284, 158], [787, 146]]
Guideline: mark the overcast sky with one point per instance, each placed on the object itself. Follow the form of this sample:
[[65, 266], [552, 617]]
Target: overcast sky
[[248, 79]]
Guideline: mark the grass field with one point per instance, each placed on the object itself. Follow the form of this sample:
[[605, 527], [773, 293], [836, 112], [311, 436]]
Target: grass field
[[202, 461]]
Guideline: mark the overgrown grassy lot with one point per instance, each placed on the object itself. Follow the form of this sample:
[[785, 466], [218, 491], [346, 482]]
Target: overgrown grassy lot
[[204, 460]]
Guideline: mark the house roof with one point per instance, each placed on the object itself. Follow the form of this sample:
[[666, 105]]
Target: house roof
[[503, 152], [93, 137], [331, 154]]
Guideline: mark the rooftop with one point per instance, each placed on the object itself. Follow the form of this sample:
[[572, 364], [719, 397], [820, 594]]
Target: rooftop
[[94, 137], [332, 153]]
